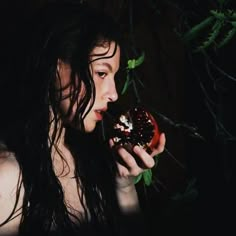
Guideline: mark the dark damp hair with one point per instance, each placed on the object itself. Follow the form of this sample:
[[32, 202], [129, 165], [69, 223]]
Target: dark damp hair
[[66, 32]]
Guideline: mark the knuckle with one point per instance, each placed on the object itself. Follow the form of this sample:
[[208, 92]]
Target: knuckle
[[135, 172]]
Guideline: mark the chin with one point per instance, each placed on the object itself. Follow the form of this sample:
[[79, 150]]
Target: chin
[[88, 128]]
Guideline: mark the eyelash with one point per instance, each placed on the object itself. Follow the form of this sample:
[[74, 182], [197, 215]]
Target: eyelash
[[101, 74]]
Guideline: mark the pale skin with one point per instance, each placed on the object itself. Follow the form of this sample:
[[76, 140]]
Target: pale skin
[[103, 72]]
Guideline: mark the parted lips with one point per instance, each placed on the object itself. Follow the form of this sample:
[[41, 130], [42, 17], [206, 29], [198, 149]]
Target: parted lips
[[136, 127]]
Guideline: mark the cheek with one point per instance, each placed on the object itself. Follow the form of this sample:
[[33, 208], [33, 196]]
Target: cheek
[[98, 83], [89, 124], [65, 104], [64, 108]]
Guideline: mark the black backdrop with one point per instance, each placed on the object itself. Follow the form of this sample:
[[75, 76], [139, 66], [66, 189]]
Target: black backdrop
[[173, 87]]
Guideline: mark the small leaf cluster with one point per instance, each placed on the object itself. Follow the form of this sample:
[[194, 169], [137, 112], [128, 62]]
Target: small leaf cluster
[[131, 65]]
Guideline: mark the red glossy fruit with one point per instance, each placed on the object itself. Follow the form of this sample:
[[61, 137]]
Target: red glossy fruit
[[136, 127]]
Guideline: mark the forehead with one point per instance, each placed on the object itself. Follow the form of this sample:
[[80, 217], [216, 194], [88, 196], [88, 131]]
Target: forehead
[[106, 51]]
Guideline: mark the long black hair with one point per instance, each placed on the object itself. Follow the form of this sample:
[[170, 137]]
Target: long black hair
[[66, 32]]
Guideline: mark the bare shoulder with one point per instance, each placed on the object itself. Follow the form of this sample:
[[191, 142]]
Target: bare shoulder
[[9, 169], [10, 179]]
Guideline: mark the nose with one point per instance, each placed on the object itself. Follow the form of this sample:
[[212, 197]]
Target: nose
[[113, 97], [112, 94]]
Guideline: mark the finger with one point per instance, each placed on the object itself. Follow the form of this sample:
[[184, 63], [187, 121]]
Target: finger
[[114, 146], [122, 170], [129, 162], [111, 143], [146, 159], [125, 172], [161, 145], [126, 157]]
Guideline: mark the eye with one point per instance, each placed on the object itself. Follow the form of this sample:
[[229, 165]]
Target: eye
[[101, 74]]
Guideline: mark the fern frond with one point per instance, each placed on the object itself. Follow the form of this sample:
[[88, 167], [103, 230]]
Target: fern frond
[[212, 35], [227, 38], [219, 15], [233, 23], [193, 32], [232, 14]]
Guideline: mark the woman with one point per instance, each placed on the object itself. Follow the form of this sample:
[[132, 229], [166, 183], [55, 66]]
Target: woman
[[56, 175]]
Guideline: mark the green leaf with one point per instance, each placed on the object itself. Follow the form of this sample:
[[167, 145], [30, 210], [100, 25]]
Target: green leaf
[[147, 177], [156, 159], [138, 178], [140, 60], [126, 85], [147, 174], [133, 63]]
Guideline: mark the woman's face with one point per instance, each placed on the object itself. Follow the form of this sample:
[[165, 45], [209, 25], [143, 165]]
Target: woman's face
[[103, 72]]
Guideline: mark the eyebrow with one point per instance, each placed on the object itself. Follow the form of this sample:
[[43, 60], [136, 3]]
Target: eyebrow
[[105, 64]]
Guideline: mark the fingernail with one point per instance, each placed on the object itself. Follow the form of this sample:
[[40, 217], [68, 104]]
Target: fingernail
[[137, 148]]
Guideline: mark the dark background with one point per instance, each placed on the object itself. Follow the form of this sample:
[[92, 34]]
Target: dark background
[[173, 79]]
